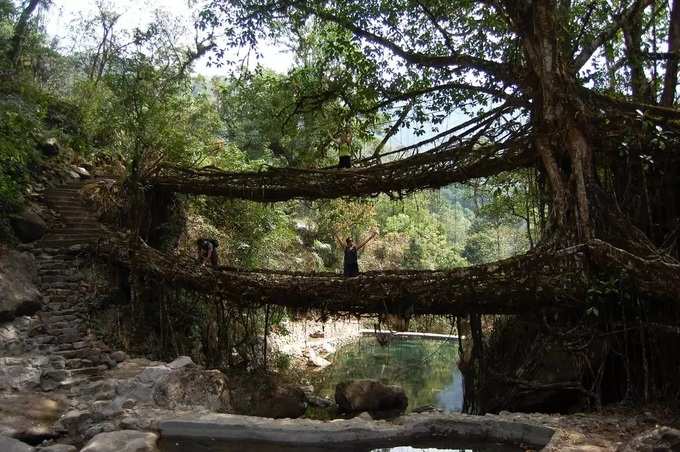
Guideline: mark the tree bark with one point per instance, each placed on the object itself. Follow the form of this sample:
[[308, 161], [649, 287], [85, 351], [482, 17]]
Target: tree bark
[[671, 76], [19, 36]]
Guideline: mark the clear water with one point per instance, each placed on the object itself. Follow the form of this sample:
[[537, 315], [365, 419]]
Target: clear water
[[425, 368]]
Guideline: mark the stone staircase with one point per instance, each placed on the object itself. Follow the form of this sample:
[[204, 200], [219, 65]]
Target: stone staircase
[[62, 257], [76, 224]]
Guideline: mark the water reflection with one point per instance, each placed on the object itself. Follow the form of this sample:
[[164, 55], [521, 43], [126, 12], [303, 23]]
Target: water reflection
[[425, 368]]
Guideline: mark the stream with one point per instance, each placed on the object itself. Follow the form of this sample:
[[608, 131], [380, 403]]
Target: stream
[[425, 368]]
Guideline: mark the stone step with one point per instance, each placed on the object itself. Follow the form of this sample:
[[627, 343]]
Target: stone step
[[77, 218], [57, 193], [69, 202], [94, 370], [55, 318], [58, 265], [66, 242], [77, 311], [83, 353], [60, 324], [94, 228], [76, 363], [72, 235], [51, 280], [48, 256], [60, 283], [43, 339], [74, 210]]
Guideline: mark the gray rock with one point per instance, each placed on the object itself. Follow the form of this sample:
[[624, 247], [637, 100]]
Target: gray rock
[[18, 292], [28, 225], [139, 423], [659, 439], [118, 356], [59, 448], [319, 402], [13, 445], [369, 395], [21, 373], [123, 441], [278, 401], [191, 385], [354, 433], [82, 172], [181, 361], [73, 174], [75, 422], [103, 409], [98, 428], [51, 379]]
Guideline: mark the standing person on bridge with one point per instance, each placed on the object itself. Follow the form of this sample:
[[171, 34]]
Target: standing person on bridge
[[344, 144], [207, 251], [351, 258]]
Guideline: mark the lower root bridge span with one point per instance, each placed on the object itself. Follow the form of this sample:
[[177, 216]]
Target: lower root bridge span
[[524, 283]]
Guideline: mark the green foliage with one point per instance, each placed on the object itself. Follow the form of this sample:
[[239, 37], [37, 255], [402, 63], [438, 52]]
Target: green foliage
[[19, 124]]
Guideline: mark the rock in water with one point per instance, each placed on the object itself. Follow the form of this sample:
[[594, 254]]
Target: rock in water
[[13, 445], [118, 356], [660, 439], [28, 225], [123, 441], [18, 293], [369, 395]]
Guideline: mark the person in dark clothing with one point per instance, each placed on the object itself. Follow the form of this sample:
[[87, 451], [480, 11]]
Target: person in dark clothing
[[351, 258], [207, 251], [344, 144]]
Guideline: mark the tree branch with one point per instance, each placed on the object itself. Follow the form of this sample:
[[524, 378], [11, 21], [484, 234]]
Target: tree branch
[[609, 32], [499, 71]]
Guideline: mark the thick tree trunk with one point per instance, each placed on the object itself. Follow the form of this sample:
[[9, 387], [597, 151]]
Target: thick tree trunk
[[19, 36], [671, 78], [561, 141]]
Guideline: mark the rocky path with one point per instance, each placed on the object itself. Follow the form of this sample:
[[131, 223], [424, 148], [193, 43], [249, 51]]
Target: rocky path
[[63, 331]]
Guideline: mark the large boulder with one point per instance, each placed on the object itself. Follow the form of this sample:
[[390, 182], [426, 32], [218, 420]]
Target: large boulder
[[18, 292], [272, 401], [191, 385], [28, 226], [123, 441], [13, 445], [659, 439], [179, 383], [21, 373], [369, 395]]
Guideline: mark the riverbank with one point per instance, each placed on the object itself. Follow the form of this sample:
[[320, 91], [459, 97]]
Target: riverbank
[[308, 343]]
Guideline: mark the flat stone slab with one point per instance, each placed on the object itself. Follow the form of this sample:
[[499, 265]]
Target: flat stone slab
[[307, 432]]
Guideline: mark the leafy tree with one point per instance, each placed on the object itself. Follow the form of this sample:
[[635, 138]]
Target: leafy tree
[[537, 69]]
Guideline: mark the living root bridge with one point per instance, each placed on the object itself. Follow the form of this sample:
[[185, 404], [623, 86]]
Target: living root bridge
[[421, 171], [524, 283]]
